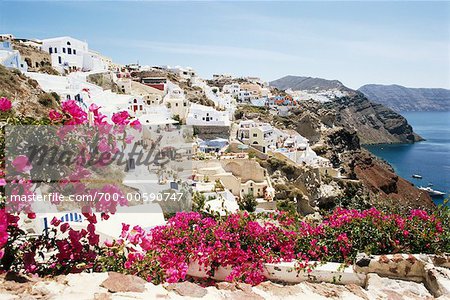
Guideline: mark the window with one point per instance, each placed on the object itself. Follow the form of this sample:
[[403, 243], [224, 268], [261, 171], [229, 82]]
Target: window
[[176, 104], [56, 50], [255, 135], [68, 43], [69, 50], [185, 104], [59, 60], [64, 50], [74, 51], [50, 50]]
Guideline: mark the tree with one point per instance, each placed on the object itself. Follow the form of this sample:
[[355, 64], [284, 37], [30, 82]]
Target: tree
[[218, 186], [198, 201], [248, 203]]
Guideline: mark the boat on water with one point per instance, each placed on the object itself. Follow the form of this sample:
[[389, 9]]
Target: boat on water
[[417, 176], [431, 192]]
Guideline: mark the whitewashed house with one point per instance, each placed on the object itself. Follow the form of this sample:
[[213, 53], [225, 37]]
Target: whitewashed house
[[258, 135], [69, 54], [124, 85], [176, 101], [201, 115], [222, 77], [232, 89], [11, 58], [245, 96], [136, 106], [185, 73]]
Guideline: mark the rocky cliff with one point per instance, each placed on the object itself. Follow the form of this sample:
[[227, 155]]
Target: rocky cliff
[[373, 122], [400, 98]]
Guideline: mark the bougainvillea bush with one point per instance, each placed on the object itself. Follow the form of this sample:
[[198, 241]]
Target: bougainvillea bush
[[60, 249], [244, 242]]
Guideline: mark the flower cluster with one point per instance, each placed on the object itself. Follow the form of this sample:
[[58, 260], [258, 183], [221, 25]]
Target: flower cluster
[[244, 242], [5, 104], [71, 249]]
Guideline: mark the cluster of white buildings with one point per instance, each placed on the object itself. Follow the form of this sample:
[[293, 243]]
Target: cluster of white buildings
[[290, 144], [316, 95]]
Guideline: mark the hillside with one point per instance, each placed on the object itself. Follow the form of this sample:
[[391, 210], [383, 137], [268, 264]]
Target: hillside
[[370, 181], [400, 98], [25, 94], [373, 122]]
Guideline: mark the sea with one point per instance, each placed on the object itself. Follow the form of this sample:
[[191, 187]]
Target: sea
[[430, 158]]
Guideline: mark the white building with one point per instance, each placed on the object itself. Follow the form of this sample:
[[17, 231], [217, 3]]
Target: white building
[[297, 149], [222, 77], [184, 73], [232, 89], [245, 96], [258, 135], [201, 115], [11, 58], [69, 54], [176, 101]]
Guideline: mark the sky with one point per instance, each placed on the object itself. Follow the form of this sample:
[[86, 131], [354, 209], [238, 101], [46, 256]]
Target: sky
[[406, 43]]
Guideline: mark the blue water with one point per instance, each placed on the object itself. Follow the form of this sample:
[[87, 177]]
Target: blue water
[[430, 158]]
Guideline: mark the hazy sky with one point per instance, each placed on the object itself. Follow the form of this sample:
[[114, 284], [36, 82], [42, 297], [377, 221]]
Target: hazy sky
[[405, 43]]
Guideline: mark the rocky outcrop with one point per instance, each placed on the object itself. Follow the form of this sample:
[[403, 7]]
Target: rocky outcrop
[[400, 98], [385, 187], [374, 123], [379, 180]]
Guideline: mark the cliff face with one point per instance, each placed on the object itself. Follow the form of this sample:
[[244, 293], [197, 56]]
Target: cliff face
[[374, 123], [378, 178], [400, 98]]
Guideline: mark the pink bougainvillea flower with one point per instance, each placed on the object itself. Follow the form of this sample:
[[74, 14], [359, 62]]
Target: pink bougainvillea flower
[[94, 108], [55, 221], [121, 118], [79, 116], [2, 182], [136, 125], [21, 164], [64, 227], [129, 139], [5, 104], [54, 115], [103, 146], [3, 228]]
